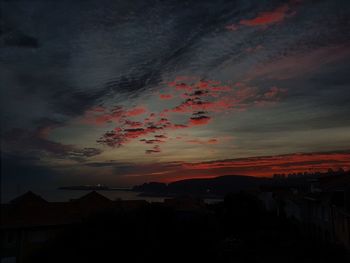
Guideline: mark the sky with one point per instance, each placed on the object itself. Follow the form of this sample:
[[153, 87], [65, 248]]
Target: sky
[[125, 92]]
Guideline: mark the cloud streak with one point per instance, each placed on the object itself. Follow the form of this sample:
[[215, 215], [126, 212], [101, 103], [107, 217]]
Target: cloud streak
[[36, 143], [268, 165]]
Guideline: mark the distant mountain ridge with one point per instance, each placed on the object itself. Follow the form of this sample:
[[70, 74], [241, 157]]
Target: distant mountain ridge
[[217, 186]]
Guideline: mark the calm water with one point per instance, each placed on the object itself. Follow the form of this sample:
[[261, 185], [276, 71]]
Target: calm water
[[65, 195]]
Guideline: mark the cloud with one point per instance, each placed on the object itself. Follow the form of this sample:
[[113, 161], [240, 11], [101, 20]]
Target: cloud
[[254, 49], [98, 115], [36, 142], [165, 96], [82, 154], [155, 149], [101, 119], [20, 40], [206, 97], [254, 166], [299, 64], [151, 141], [68, 75], [200, 120], [114, 164], [203, 142], [179, 126], [268, 165], [268, 17], [133, 124], [136, 111], [121, 136], [232, 27], [160, 136]]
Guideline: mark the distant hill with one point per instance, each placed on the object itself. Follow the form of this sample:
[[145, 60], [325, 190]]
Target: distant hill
[[217, 186]]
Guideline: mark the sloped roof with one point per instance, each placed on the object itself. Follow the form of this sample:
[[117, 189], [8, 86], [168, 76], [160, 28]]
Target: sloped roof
[[29, 198], [93, 197]]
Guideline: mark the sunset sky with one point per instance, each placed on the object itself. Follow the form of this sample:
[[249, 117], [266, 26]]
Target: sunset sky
[[124, 92]]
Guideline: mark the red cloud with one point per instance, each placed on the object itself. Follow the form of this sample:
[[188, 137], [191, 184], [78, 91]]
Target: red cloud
[[202, 84], [273, 93], [133, 124], [266, 18], [160, 136], [200, 120], [269, 17], [136, 112], [101, 116], [268, 165], [201, 100], [191, 105], [135, 133], [221, 88], [254, 166], [163, 122], [179, 126], [180, 86], [112, 139], [165, 96], [152, 141], [120, 136], [213, 141]]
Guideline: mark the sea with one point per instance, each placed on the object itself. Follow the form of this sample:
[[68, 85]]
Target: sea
[[59, 195]]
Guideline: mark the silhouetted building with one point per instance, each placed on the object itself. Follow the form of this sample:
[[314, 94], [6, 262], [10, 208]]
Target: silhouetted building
[[29, 221], [322, 208]]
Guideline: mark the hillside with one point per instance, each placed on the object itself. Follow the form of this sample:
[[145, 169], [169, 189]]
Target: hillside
[[216, 186]]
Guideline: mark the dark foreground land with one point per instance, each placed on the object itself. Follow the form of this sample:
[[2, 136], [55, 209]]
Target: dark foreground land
[[182, 230]]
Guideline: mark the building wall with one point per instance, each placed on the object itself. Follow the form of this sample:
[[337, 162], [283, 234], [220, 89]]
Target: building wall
[[341, 226]]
